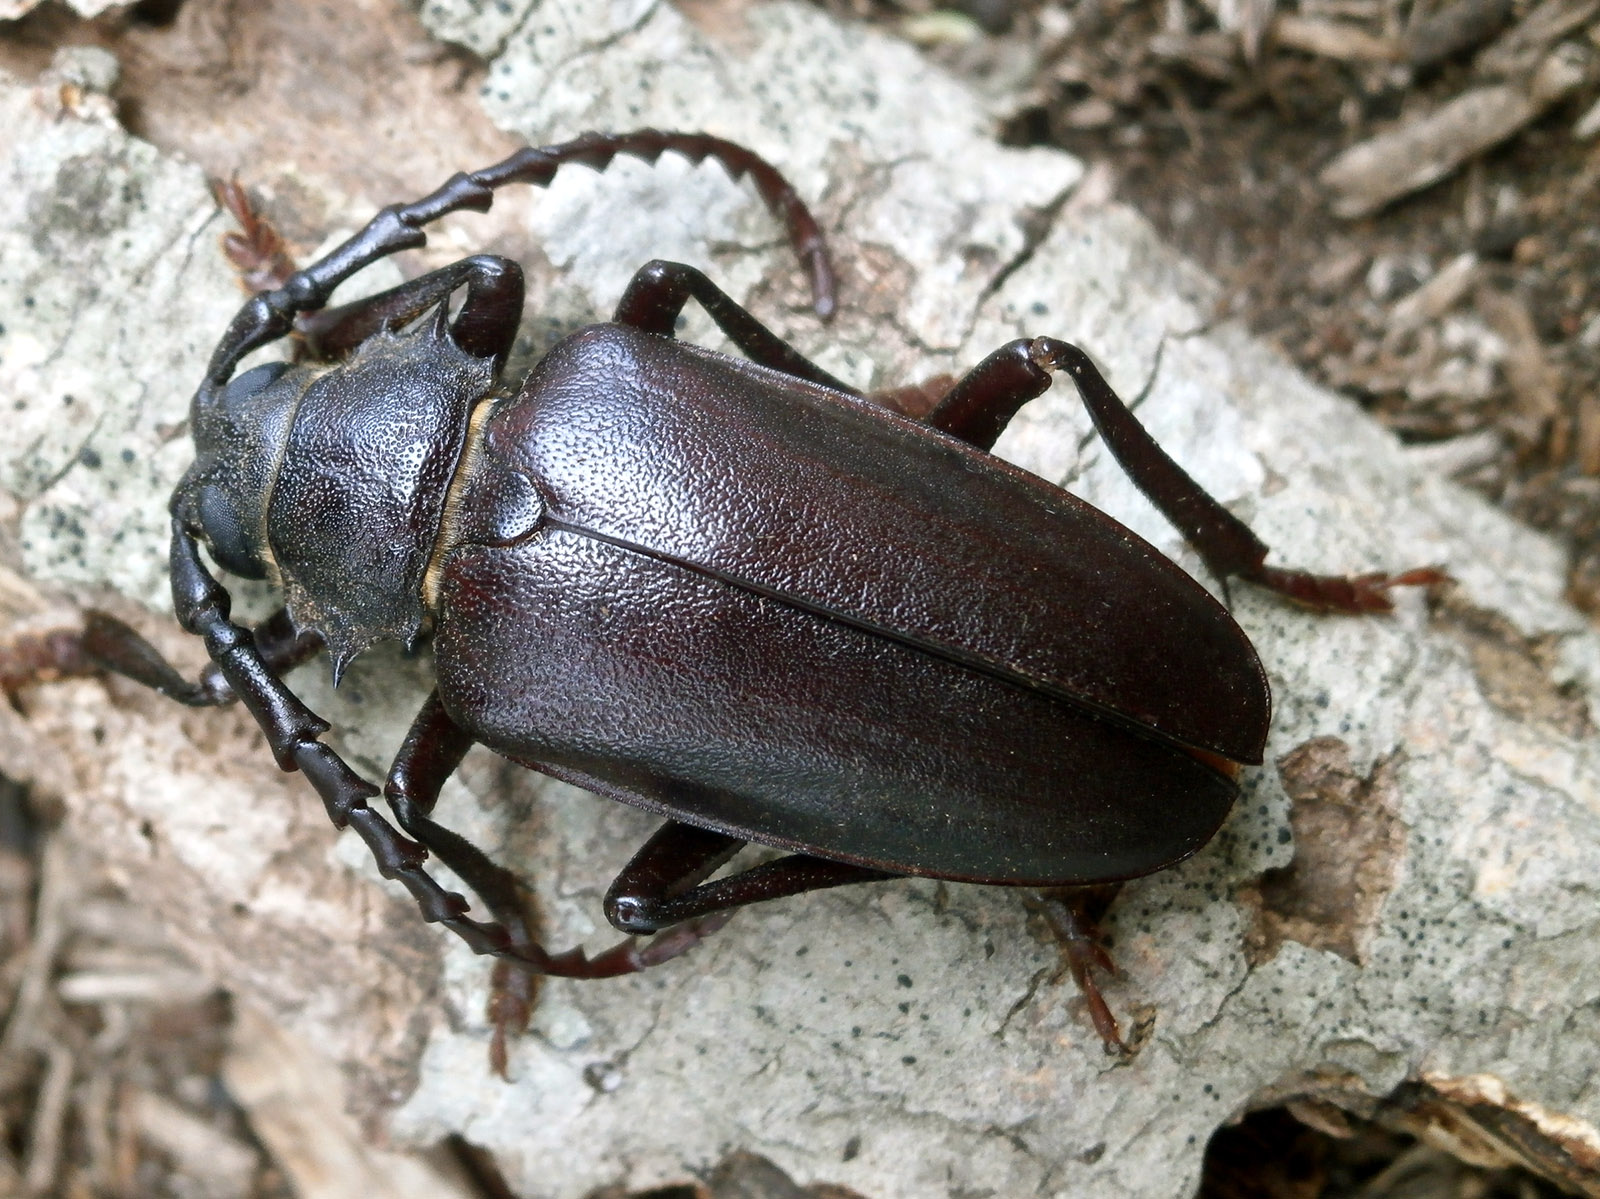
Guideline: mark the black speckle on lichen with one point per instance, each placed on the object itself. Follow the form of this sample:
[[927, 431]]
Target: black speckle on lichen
[[87, 203]]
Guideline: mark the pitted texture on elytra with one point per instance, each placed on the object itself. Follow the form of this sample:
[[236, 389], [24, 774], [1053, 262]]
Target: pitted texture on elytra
[[794, 491]]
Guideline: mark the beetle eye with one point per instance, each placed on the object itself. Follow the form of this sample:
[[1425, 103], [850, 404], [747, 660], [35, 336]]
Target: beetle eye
[[250, 384], [225, 534]]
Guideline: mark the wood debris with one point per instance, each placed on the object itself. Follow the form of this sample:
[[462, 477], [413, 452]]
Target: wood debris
[[1343, 40], [1522, 47], [1453, 29], [111, 1059], [295, 1107], [1425, 149], [1435, 297], [226, 1163], [1535, 384]]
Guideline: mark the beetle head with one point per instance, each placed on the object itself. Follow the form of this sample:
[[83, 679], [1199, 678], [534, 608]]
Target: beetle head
[[239, 438], [333, 479]]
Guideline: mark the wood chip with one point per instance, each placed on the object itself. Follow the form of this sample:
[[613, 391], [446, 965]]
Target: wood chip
[[295, 1105], [22, 1028], [1212, 54], [1425, 149], [97, 1116], [1535, 381], [13, 10], [1588, 124], [1588, 447], [1249, 20], [174, 985], [45, 1135], [1091, 113], [1457, 455], [1435, 297], [1366, 12], [1333, 39], [1525, 44], [1455, 28], [220, 1164]]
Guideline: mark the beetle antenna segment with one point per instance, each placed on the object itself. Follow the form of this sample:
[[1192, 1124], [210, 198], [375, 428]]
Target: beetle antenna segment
[[203, 606], [270, 315]]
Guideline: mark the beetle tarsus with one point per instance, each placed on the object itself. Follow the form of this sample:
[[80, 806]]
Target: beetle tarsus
[[255, 249], [634, 954], [107, 644], [511, 995], [1352, 594], [1073, 915], [43, 656], [103, 644]]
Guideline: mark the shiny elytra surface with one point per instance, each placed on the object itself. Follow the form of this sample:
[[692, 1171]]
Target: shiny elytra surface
[[758, 605]]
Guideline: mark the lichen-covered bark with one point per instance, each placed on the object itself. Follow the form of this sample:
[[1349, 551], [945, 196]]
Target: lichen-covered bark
[[903, 1039]]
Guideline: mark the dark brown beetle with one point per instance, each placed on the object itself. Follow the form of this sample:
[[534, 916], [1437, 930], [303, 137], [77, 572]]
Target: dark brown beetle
[[734, 592]]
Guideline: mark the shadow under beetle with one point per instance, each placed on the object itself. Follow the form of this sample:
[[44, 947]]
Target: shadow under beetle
[[734, 592]]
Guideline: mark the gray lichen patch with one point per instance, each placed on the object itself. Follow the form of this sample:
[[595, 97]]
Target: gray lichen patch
[[105, 306], [481, 26]]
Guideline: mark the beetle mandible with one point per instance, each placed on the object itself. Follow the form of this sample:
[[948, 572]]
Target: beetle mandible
[[735, 592]]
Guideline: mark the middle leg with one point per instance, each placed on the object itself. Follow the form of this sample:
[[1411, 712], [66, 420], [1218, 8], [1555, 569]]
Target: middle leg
[[664, 884], [433, 750]]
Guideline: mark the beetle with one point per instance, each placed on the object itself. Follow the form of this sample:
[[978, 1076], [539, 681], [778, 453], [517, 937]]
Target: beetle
[[735, 592]]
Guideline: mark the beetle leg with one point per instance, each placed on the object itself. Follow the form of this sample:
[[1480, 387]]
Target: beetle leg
[[202, 606], [978, 407], [660, 289], [43, 656], [271, 314], [108, 644], [1073, 915], [485, 326], [432, 750], [256, 249], [664, 883]]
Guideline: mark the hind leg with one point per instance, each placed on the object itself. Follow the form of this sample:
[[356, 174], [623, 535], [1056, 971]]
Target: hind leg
[[980, 405], [1073, 915]]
